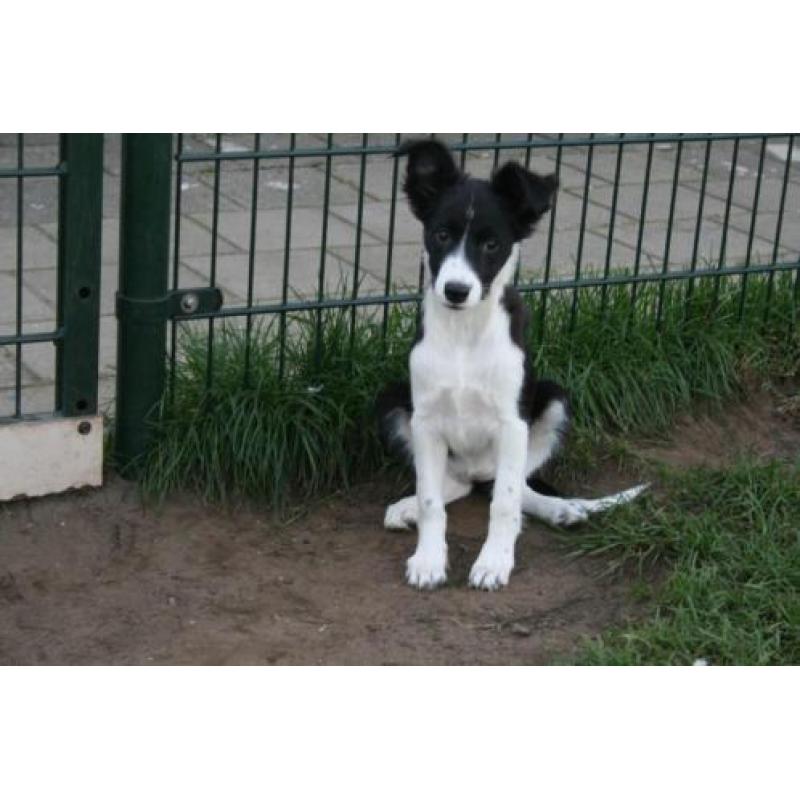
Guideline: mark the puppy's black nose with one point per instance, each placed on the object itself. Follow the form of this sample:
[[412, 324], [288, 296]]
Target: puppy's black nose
[[456, 292]]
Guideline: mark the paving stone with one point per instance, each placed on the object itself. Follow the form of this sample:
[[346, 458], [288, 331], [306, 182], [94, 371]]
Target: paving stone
[[766, 228], [39, 251], [38, 363], [8, 368], [194, 239], [232, 276], [271, 229], [106, 395], [659, 199], [564, 254], [36, 399], [39, 201], [375, 222], [273, 188], [769, 192], [34, 306], [31, 139], [568, 211], [372, 258], [107, 352], [197, 188], [378, 178], [654, 240]]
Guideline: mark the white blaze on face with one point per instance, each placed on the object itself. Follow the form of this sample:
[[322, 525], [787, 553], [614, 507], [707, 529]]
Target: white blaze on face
[[456, 269]]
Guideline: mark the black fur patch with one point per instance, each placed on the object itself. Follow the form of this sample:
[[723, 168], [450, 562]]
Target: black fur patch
[[535, 395], [393, 400], [519, 317]]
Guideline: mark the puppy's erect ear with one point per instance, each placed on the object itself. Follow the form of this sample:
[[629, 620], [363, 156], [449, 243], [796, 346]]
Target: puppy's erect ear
[[430, 171], [527, 196]]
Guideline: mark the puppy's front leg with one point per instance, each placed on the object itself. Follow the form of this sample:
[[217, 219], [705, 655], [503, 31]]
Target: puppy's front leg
[[496, 559], [427, 568]]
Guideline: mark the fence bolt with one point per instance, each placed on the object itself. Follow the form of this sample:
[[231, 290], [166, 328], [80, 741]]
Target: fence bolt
[[189, 303]]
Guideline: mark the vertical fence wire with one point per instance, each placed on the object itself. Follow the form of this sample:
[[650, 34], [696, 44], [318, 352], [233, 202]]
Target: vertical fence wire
[[173, 326], [359, 223], [390, 237], [528, 150], [612, 216], [214, 243], [18, 298], [726, 218], [287, 241], [587, 184], [498, 137], [323, 252], [548, 259], [463, 157], [779, 225], [637, 263], [698, 225], [753, 219], [251, 258], [670, 221]]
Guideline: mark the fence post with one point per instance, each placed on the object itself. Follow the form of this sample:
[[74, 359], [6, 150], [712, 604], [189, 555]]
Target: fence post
[[80, 216], [143, 277]]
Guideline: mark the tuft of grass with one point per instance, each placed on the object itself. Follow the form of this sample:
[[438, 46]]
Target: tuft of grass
[[234, 425], [731, 547]]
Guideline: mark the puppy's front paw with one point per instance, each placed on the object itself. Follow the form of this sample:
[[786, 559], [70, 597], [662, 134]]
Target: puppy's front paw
[[492, 570], [426, 570]]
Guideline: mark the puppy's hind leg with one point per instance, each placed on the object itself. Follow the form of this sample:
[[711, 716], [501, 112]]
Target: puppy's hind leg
[[400, 516]]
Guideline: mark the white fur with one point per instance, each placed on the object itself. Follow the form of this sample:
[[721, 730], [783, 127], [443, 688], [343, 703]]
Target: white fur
[[455, 267]]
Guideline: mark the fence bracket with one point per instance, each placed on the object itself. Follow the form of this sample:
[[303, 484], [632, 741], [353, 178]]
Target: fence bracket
[[176, 305]]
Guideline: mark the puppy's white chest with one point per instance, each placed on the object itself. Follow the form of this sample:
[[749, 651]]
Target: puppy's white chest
[[466, 391]]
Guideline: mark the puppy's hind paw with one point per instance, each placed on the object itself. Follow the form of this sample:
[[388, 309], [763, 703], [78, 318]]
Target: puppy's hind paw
[[400, 516]]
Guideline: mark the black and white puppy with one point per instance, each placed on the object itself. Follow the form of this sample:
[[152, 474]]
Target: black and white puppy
[[474, 412]]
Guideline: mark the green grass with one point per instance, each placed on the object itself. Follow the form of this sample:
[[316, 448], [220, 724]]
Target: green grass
[[281, 439], [729, 545]]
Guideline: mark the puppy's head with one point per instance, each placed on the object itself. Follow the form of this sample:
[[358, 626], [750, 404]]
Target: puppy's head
[[471, 227]]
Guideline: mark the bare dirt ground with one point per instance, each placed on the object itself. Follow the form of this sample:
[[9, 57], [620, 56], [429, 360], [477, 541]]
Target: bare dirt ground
[[93, 577]]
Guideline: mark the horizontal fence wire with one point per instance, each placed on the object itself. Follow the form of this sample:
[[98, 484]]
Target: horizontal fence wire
[[553, 285]]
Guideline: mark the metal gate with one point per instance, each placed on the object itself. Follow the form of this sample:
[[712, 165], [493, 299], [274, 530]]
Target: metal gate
[[51, 436]]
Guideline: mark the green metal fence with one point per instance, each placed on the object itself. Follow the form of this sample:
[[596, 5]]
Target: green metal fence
[[286, 212], [67, 171], [236, 229]]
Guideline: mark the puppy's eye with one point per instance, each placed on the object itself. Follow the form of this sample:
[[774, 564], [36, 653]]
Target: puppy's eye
[[442, 236], [491, 245]]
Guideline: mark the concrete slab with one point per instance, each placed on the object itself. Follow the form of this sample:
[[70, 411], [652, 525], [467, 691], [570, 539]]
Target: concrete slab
[[236, 187], [34, 307], [39, 251], [304, 266], [307, 223]]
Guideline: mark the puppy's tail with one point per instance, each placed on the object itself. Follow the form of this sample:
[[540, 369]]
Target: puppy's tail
[[612, 500]]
